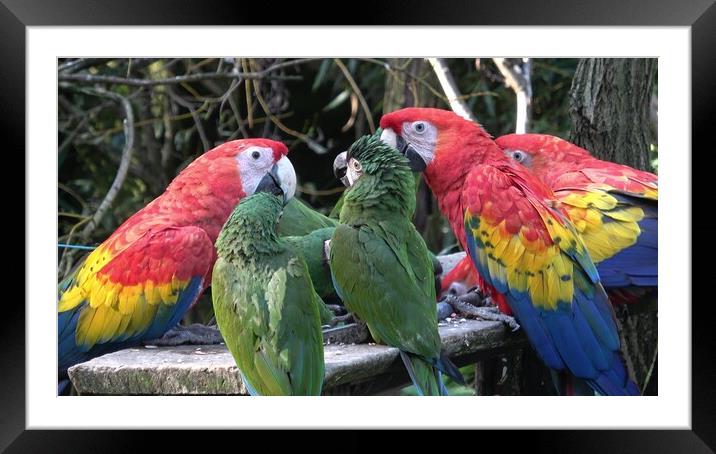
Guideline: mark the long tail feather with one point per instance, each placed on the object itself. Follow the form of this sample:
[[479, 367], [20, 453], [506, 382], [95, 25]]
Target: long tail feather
[[448, 368], [615, 381], [425, 376]]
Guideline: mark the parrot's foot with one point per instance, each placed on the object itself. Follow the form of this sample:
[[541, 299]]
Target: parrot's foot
[[340, 315], [347, 318], [472, 303], [194, 334], [337, 309], [456, 289], [462, 298], [494, 314], [445, 310]]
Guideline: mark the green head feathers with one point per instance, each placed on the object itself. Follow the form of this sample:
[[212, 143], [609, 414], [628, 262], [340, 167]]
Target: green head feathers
[[380, 177], [377, 157]]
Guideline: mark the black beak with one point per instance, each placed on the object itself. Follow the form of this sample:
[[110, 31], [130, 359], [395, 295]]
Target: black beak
[[340, 166], [417, 164], [271, 183]]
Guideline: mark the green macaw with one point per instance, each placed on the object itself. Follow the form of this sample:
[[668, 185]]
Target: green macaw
[[380, 264], [306, 230], [265, 305], [311, 248], [339, 168], [299, 219]]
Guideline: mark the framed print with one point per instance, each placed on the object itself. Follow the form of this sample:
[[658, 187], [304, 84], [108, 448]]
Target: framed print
[[132, 96]]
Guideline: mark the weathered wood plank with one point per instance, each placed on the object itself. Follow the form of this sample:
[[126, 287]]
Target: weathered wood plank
[[352, 367], [211, 369]]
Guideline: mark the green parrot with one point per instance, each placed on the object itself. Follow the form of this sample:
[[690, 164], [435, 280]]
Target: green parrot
[[380, 264], [265, 305], [311, 248], [308, 229], [299, 219]]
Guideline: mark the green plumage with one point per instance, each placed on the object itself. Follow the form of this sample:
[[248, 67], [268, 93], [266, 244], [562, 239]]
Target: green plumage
[[265, 305], [382, 268], [299, 219], [311, 248]]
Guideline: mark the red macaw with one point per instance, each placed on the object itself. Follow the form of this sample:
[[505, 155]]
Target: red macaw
[[614, 207], [140, 281], [527, 252]]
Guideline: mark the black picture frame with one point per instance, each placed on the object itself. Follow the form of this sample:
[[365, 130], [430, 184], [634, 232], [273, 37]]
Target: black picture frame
[[16, 15]]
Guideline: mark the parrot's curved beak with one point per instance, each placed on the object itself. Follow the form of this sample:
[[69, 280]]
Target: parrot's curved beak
[[340, 166], [280, 180], [417, 163]]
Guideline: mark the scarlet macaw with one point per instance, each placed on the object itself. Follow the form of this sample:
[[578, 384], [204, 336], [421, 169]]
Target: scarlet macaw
[[142, 279], [527, 252], [614, 207]]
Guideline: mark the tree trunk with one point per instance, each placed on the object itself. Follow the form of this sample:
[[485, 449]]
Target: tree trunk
[[610, 106], [402, 88]]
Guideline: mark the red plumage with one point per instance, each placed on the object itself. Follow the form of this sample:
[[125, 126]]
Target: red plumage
[[527, 253], [618, 203], [571, 170], [140, 281]]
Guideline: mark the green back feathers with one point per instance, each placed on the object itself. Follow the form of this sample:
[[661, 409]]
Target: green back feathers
[[300, 219]]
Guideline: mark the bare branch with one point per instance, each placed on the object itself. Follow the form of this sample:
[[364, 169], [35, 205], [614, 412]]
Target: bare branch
[[312, 144], [517, 77], [358, 93], [123, 165], [263, 74], [448, 85], [392, 69], [197, 121], [80, 63]]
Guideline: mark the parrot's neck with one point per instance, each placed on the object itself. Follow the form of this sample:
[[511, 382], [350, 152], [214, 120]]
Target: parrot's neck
[[250, 232], [247, 242], [448, 171]]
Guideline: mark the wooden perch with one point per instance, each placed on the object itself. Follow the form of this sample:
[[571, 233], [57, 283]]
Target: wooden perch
[[351, 367]]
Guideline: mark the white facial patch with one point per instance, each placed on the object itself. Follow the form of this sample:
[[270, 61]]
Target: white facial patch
[[254, 162], [353, 172], [424, 142]]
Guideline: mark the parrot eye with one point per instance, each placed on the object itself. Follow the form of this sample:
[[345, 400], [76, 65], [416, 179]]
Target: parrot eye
[[518, 156], [419, 127], [255, 154], [356, 165]]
